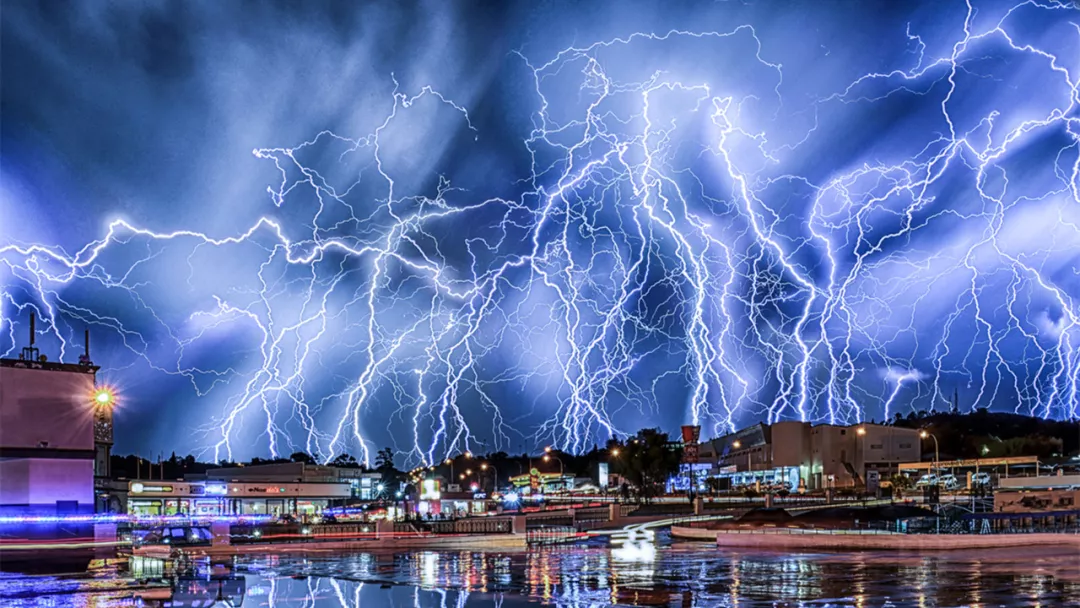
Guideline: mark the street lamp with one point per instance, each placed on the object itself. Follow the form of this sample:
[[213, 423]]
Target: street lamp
[[103, 397], [615, 452], [548, 457], [749, 463], [924, 434], [495, 482]]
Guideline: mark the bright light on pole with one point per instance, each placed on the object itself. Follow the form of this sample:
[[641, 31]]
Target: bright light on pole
[[924, 434], [103, 397]]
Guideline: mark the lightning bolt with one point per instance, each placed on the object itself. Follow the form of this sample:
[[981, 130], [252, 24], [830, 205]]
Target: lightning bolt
[[668, 250]]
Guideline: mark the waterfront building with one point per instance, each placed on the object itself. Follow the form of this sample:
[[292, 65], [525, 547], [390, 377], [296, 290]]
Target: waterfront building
[[216, 497], [537, 482], [364, 485], [49, 455], [1040, 496], [797, 455]]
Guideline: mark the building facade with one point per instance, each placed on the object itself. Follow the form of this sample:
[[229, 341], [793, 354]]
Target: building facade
[[364, 485], [797, 455], [213, 497], [47, 437]]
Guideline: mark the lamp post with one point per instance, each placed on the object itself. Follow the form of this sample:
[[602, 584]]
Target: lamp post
[[860, 432], [495, 472], [549, 456], [749, 464], [924, 434]]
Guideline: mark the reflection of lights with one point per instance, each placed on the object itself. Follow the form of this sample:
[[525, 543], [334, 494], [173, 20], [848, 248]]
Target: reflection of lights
[[427, 569], [103, 518], [511, 497]]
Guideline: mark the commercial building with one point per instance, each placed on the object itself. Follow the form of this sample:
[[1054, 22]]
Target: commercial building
[[213, 497], [268, 489], [364, 485], [433, 501], [50, 417], [1045, 495], [798, 455]]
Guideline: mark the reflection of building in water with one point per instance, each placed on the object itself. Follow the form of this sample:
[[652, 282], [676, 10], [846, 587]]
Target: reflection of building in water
[[211, 590]]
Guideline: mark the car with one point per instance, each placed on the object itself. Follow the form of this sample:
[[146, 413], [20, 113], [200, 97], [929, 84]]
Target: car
[[930, 479], [948, 481], [163, 542], [981, 480]]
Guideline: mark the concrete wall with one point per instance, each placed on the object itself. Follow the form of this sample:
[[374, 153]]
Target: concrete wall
[[38, 483], [1036, 500], [830, 446], [887, 446], [46, 439], [790, 443], [788, 540], [46, 407]]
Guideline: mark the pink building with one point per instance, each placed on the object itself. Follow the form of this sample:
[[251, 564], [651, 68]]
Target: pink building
[[47, 441]]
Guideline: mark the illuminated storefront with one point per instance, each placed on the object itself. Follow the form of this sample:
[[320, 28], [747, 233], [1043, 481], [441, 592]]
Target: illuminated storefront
[[537, 482], [221, 498]]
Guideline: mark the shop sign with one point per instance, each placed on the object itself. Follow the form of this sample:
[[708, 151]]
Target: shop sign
[[139, 488]]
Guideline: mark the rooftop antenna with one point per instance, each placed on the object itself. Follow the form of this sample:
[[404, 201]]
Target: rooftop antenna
[[31, 353], [84, 359]]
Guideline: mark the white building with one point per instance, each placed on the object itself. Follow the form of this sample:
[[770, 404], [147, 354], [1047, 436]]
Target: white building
[[798, 454]]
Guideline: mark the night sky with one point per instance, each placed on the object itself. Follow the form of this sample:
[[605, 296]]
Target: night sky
[[335, 226]]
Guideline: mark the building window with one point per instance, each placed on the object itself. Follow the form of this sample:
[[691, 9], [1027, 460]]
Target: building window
[[905, 445], [876, 446], [843, 431]]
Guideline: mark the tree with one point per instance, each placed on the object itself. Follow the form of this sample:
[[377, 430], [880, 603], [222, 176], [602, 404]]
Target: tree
[[345, 461], [647, 460], [384, 459], [302, 457]]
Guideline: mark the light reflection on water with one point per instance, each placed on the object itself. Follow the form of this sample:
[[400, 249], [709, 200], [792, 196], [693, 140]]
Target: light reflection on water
[[680, 576]]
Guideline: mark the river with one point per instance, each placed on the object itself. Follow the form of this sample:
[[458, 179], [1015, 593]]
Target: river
[[677, 575]]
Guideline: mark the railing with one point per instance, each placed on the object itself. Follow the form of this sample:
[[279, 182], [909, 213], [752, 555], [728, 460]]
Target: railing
[[925, 527], [551, 535]]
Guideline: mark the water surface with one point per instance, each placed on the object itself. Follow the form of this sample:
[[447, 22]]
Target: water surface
[[678, 575]]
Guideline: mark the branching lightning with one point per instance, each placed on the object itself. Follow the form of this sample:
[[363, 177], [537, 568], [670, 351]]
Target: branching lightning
[[664, 253]]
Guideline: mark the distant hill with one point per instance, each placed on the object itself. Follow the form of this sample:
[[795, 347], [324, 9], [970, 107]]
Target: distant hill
[[992, 434]]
